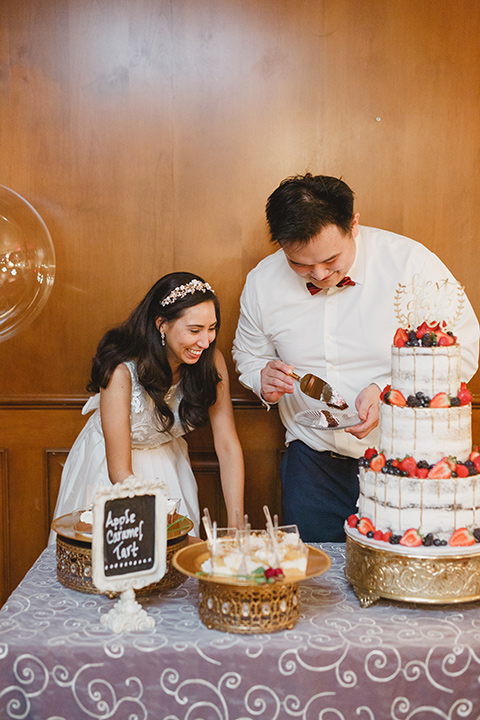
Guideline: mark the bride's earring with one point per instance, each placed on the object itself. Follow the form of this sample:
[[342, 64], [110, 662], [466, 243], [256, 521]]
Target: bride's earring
[[162, 337]]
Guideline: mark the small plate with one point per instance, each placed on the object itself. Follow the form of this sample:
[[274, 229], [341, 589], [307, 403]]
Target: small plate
[[327, 418]]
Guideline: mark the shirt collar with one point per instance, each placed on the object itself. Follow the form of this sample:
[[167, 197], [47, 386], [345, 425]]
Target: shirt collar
[[357, 271]]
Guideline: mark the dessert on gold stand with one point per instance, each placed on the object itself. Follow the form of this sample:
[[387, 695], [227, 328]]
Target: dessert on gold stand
[[249, 580], [416, 535], [74, 551]]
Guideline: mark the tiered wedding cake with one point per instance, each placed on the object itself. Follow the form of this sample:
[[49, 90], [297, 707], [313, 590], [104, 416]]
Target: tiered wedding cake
[[421, 487]]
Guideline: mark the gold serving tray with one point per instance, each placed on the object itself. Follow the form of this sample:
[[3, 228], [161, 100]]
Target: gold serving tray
[[68, 527], [190, 558], [230, 604], [74, 554], [441, 579]]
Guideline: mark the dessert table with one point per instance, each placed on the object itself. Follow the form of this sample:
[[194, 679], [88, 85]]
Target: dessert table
[[340, 661]]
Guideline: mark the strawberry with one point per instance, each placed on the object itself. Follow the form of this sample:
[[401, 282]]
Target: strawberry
[[377, 462], [476, 462], [385, 390], [462, 537], [464, 394], [440, 470], [352, 521], [369, 453], [462, 470], [411, 538], [409, 465], [395, 397], [422, 329], [387, 535], [444, 339], [365, 525], [422, 472], [440, 400], [401, 337], [451, 462], [474, 454], [378, 535]]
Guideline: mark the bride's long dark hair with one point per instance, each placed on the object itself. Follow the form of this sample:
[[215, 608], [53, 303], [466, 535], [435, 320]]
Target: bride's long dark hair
[[138, 339]]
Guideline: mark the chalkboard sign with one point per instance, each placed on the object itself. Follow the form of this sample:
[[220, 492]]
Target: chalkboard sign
[[129, 535], [129, 538]]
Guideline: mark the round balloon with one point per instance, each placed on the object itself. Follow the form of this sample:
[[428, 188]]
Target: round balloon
[[27, 263]]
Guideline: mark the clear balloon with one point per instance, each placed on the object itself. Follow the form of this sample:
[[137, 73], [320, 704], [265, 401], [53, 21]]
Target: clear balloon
[[27, 263]]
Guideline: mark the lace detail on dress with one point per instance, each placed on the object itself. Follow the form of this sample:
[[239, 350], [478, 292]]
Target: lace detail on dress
[[145, 428], [137, 402]]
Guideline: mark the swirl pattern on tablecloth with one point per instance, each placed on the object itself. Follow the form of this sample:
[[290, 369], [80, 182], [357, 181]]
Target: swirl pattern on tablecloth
[[390, 661]]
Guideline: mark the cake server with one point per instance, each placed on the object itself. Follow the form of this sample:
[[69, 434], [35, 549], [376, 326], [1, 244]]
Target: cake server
[[318, 389]]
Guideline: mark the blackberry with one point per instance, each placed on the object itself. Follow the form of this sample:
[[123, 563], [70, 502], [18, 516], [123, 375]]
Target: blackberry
[[455, 401], [413, 401], [394, 539], [363, 462], [476, 534], [423, 464], [428, 540], [429, 339], [412, 335]]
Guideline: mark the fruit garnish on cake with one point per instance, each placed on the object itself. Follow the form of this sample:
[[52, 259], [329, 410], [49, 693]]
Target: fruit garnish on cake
[[421, 486]]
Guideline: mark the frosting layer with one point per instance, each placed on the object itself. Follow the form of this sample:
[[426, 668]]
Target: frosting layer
[[437, 506], [425, 433]]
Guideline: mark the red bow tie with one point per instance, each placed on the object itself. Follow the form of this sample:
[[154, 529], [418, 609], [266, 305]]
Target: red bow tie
[[313, 290]]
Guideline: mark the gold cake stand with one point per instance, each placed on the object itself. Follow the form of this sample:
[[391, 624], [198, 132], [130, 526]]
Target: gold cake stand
[[375, 573], [74, 554], [232, 605]]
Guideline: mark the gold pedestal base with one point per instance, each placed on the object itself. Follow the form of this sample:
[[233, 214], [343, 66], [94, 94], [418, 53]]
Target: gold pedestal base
[[434, 579], [74, 567], [248, 609]]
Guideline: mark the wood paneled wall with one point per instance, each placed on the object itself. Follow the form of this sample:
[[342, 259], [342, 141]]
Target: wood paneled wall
[[149, 133]]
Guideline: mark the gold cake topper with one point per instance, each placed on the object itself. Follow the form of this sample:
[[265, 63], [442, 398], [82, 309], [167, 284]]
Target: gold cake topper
[[430, 302]]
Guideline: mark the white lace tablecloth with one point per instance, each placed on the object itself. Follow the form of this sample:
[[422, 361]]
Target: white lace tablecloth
[[340, 662]]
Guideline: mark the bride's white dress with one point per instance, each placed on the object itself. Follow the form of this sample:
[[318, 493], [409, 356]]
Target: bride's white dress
[[155, 454]]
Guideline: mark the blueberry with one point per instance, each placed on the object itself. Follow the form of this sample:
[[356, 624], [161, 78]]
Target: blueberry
[[370, 534], [437, 542]]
